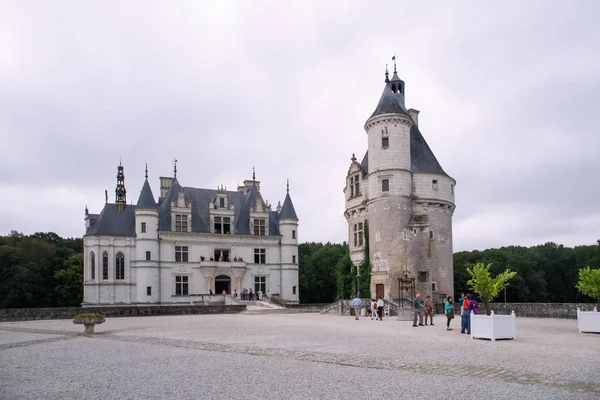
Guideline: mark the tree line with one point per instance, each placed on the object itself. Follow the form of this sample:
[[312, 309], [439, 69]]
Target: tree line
[[45, 270]]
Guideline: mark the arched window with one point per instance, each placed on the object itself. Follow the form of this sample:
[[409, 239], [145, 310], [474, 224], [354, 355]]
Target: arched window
[[120, 266], [92, 265], [394, 88], [105, 265]]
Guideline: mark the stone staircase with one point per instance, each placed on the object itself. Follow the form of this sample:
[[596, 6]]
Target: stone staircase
[[263, 307]]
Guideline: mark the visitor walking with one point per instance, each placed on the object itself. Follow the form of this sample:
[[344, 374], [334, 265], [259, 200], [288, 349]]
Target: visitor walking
[[250, 294], [380, 305], [449, 311], [428, 309], [373, 309], [465, 325], [418, 311], [356, 303]]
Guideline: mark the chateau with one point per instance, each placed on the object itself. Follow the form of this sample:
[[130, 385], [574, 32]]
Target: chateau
[[402, 191], [191, 241]]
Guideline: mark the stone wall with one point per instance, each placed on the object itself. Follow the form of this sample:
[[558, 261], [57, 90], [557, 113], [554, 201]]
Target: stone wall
[[536, 310], [26, 314]]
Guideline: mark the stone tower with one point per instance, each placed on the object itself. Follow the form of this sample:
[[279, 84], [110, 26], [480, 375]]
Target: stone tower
[[408, 200]]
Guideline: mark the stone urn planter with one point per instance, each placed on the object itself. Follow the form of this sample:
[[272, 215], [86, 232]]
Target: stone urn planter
[[88, 321], [493, 326], [588, 321]]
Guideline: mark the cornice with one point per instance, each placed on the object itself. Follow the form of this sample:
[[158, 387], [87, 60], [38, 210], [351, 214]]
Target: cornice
[[388, 118]]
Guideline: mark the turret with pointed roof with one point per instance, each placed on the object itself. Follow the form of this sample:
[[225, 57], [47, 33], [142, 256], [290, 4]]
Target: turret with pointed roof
[[287, 210], [146, 199]]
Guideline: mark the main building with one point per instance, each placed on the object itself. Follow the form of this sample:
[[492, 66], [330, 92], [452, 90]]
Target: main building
[[402, 191], [191, 241]]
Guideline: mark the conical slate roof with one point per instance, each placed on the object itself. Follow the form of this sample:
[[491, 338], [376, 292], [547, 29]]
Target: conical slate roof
[[288, 211], [146, 199]]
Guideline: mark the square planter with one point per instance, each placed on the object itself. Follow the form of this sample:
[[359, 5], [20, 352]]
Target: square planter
[[493, 326], [588, 321]]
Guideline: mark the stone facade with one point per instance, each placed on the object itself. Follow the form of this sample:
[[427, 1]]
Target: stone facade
[[192, 241], [408, 200]]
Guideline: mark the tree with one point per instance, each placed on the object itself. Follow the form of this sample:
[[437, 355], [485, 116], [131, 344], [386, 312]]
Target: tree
[[364, 286], [343, 271], [487, 287], [69, 282], [589, 283]]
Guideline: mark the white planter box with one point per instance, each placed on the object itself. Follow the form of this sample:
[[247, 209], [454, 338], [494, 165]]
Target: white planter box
[[493, 326], [588, 321]]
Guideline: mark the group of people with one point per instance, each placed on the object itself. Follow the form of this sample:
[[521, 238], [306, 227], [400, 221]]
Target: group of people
[[468, 305], [424, 309], [247, 294]]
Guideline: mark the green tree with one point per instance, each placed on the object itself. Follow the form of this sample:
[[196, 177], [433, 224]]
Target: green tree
[[364, 285], [483, 284], [69, 282], [343, 270], [589, 283]]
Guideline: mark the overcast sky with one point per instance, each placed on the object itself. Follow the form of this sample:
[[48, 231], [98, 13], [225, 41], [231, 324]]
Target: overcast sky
[[508, 94]]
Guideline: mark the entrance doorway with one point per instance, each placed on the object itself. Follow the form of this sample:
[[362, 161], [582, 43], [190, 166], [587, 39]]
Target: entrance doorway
[[222, 282], [379, 290]]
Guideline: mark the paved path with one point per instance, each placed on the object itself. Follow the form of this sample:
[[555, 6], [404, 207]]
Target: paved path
[[294, 356]]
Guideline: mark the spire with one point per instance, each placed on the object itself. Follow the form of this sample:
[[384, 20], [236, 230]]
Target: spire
[[387, 74], [287, 210], [175, 169], [105, 196], [288, 186], [253, 177], [392, 98], [120, 192], [146, 199], [87, 212]]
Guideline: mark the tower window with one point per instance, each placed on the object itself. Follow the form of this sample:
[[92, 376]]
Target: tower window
[[422, 276], [293, 234], [143, 228], [434, 287], [293, 289], [385, 142], [148, 255], [293, 259], [434, 184], [430, 234], [148, 290], [358, 234], [452, 189], [394, 88], [181, 223], [385, 185]]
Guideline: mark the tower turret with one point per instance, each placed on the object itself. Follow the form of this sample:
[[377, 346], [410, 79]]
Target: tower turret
[[120, 192], [288, 229]]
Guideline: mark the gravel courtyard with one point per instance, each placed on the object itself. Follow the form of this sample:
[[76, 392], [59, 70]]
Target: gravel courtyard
[[293, 356]]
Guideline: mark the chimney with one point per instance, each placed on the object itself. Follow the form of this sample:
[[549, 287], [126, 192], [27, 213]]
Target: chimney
[[414, 114], [165, 185]]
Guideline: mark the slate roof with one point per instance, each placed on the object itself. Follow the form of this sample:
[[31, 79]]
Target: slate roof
[[146, 199], [287, 210], [390, 102], [112, 222]]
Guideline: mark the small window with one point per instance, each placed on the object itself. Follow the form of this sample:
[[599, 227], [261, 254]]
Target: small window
[[422, 276], [431, 234], [221, 202], [143, 227], [293, 289], [434, 287], [452, 189], [434, 184], [385, 142], [148, 290], [148, 255], [293, 259], [385, 185], [293, 234]]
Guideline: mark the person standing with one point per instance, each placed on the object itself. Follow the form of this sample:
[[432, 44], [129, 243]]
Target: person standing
[[356, 303], [235, 293], [465, 325], [373, 308], [380, 305], [449, 311], [250, 294], [461, 300], [418, 310], [428, 310]]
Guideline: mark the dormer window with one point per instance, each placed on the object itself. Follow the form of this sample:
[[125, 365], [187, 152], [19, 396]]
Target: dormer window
[[181, 223], [222, 225], [260, 227], [221, 202]]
